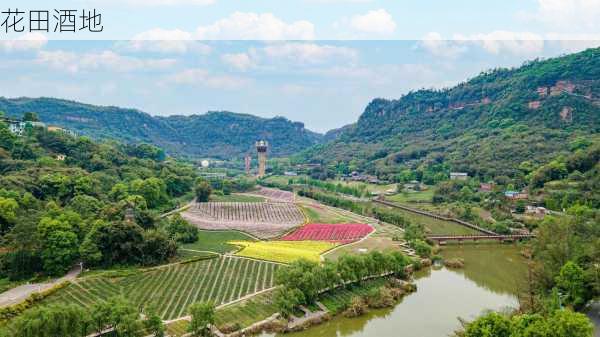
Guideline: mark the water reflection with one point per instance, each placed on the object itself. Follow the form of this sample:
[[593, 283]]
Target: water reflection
[[442, 297]]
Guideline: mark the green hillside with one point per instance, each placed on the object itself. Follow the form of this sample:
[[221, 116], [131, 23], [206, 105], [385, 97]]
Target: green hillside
[[499, 123], [215, 134]]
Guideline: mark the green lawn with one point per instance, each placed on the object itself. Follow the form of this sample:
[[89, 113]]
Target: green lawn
[[216, 241], [319, 214], [236, 198], [412, 197]]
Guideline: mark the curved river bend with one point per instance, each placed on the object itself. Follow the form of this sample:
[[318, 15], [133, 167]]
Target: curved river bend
[[488, 281]]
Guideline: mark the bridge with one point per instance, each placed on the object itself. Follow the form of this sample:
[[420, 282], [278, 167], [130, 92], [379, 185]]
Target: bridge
[[441, 239]]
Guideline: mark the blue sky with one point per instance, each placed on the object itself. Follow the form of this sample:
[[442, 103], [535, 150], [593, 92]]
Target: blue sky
[[315, 61]]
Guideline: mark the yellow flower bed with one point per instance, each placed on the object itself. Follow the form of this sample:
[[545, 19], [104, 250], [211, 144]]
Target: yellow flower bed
[[283, 251]]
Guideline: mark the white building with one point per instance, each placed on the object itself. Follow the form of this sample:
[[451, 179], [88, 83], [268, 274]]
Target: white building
[[458, 176]]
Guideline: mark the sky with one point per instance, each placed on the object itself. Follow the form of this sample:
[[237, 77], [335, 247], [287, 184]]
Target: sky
[[315, 61]]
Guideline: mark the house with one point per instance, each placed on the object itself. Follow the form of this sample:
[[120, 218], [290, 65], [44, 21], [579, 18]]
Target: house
[[514, 195], [53, 128], [290, 174], [536, 211], [486, 187], [458, 176], [17, 127], [60, 157]]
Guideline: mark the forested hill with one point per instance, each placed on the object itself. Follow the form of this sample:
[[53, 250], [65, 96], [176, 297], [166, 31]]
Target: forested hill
[[215, 134], [487, 126]]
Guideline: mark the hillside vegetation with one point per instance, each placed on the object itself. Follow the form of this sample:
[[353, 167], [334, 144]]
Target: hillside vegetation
[[217, 134], [500, 123]]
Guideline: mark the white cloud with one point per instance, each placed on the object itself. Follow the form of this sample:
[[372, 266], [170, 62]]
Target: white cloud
[[25, 42], [499, 41], [436, 45], [201, 77], [241, 61], [166, 41], [169, 2], [106, 60], [568, 15], [310, 53], [374, 22], [253, 26]]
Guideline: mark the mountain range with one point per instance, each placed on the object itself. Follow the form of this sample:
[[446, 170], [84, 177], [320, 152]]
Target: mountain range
[[491, 125], [216, 134]]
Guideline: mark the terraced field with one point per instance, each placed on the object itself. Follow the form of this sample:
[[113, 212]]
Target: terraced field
[[172, 289], [264, 220]]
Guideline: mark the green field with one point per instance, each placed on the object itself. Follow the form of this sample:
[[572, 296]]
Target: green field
[[242, 314], [236, 198], [172, 289], [436, 226], [320, 214], [216, 241], [412, 197]]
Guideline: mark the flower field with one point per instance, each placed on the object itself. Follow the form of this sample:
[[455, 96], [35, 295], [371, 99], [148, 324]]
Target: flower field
[[339, 233], [264, 220], [283, 251], [172, 289]]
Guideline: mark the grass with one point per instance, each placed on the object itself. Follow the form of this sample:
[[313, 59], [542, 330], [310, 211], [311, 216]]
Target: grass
[[372, 243], [338, 299], [236, 198], [284, 251], [172, 289], [242, 314], [216, 241], [436, 226], [319, 214], [412, 197], [247, 312]]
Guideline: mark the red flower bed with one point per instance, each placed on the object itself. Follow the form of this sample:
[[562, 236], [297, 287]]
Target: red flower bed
[[340, 233]]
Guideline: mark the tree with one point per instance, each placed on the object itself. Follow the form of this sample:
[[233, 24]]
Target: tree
[[287, 300], [8, 213], [490, 325], [566, 323], [59, 245], [53, 321], [154, 323], [153, 190], [571, 284], [202, 191], [30, 117], [203, 315], [180, 230]]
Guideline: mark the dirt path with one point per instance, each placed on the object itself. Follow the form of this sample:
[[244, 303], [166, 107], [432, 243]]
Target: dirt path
[[20, 293]]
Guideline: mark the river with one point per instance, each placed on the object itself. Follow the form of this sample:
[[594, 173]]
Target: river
[[489, 281]]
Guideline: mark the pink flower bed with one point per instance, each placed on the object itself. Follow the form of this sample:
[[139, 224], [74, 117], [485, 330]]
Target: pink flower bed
[[339, 233]]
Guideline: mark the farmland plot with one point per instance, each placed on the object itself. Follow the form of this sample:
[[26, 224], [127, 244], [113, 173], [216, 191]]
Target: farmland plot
[[264, 220], [274, 194], [340, 233], [284, 251], [172, 289]]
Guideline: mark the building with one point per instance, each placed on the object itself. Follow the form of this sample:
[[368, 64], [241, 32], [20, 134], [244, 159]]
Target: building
[[458, 176], [536, 211], [261, 148], [486, 187], [247, 164], [514, 195], [60, 157], [290, 174], [18, 127], [53, 128]]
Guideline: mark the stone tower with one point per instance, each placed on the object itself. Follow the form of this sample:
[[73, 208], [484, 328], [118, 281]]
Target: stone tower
[[262, 147], [248, 162]]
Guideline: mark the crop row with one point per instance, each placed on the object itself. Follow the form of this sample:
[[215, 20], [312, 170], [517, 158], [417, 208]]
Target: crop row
[[340, 233], [172, 289], [265, 220]]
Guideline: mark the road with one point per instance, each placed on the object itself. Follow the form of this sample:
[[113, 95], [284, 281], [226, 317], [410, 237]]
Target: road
[[20, 293]]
